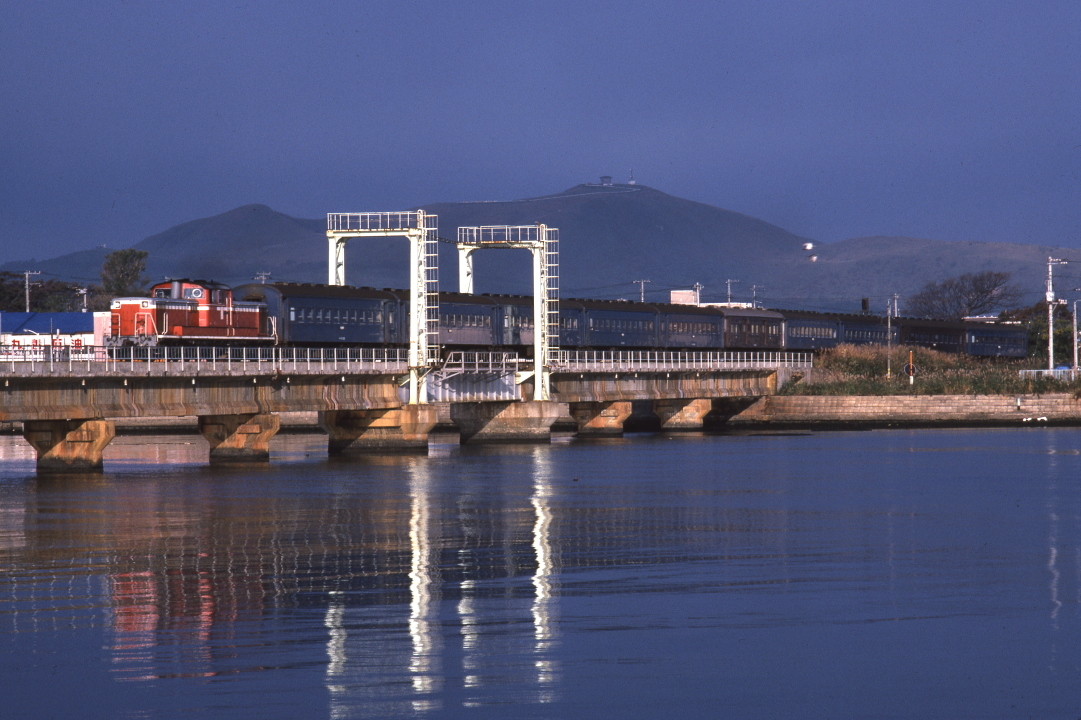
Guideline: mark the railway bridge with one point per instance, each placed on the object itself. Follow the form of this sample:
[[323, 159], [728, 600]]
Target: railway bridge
[[67, 400]]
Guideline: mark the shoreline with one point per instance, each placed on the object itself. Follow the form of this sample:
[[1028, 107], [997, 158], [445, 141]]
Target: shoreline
[[900, 411]]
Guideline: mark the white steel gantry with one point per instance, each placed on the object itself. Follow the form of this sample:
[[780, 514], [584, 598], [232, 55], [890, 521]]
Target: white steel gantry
[[543, 243], [422, 232]]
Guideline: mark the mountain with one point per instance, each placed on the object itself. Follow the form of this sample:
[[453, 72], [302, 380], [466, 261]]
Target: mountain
[[614, 234], [610, 235]]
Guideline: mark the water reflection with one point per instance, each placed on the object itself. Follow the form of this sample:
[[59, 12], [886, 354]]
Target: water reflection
[[417, 586], [423, 584], [479, 550], [544, 630]]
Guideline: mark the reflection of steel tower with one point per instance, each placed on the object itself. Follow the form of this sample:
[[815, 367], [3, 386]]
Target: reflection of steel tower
[[366, 668], [496, 652], [423, 627], [544, 632]]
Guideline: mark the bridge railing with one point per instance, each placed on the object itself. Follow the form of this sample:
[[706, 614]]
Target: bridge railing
[[1065, 374], [28, 361], [44, 360], [481, 362], [660, 361]]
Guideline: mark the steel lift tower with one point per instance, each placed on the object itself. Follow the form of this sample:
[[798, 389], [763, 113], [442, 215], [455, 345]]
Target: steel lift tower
[[421, 230], [543, 243]]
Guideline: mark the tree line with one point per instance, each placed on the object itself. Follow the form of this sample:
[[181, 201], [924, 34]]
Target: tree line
[[122, 275]]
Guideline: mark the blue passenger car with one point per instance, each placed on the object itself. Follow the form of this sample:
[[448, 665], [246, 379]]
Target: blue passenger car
[[867, 330], [805, 330], [942, 335], [307, 314], [753, 329], [996, 339], [468, 321], [612, 324]]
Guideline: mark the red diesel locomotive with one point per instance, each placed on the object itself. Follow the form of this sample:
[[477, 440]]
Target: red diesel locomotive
[[180, 312]]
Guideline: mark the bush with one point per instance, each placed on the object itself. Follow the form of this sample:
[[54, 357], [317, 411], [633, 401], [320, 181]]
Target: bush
[[861, 370]]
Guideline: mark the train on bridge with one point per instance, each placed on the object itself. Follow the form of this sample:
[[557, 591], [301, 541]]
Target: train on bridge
[[180, 312]]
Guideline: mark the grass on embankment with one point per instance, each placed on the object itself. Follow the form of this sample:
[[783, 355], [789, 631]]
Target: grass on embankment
[[861, 370]]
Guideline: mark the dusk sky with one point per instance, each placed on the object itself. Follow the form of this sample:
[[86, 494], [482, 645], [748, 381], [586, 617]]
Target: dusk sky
[[946, 120]]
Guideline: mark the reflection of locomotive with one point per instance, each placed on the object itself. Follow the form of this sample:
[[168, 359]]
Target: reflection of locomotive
[[197, 312]]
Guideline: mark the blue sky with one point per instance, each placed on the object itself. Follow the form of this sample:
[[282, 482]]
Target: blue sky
[[955, 121]]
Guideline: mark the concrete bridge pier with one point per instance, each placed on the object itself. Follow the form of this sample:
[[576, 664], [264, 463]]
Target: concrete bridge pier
[[403, 429], [506, 421], [239, 438], [69, 445], [601, 419], [682, 414]]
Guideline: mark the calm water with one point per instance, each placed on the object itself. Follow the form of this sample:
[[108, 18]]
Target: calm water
[[889, 574]]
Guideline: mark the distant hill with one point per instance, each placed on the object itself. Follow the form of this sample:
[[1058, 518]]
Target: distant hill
[[879, 266], [614, 234], [610, 235]]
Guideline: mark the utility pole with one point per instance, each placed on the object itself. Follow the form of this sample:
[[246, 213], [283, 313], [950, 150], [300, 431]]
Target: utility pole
[[754, 295], [1075, 335], [698, 287], [889, 340], [895, 305], [729, 284], [27, 274], [83, 291], [1050, 296], [641, 289], [262, 276]]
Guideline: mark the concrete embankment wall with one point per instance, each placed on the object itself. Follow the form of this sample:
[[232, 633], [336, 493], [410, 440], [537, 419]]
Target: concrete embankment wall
[[901, 410]]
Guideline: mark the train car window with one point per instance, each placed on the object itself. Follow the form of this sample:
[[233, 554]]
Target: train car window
[[487, 321]]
